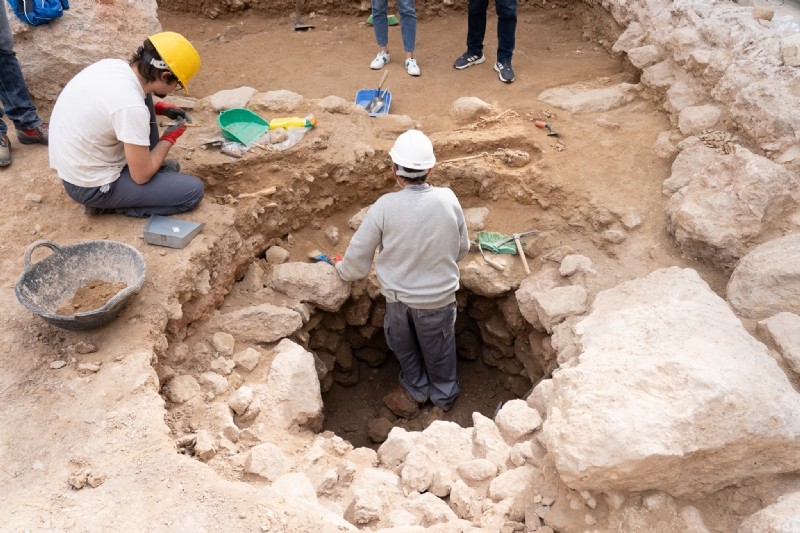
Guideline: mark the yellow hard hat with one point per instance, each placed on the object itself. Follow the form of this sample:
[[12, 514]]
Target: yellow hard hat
[[178, 53]]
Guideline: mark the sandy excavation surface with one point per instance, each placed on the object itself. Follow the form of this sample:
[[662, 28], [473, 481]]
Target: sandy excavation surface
[[109, 433]]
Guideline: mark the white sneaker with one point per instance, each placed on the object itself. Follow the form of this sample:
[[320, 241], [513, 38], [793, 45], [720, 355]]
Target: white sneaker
[[380, 60], [411, 67]]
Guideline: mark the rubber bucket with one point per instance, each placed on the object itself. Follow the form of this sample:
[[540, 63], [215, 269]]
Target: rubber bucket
[[44, 286]]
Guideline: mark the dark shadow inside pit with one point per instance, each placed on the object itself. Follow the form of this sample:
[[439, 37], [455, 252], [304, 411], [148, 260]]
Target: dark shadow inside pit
[[495, 364], [349, 411]]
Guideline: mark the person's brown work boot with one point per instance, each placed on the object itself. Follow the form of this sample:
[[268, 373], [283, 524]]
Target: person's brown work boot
[[36, 135], [5, 151], [429, 416], [400, 402]]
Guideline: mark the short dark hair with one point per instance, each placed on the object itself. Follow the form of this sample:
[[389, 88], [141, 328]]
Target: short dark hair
[[412, 181], [142, 60]]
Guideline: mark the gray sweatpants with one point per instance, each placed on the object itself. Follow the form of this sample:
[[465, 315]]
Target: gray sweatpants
[[167, 193], [424, 342]]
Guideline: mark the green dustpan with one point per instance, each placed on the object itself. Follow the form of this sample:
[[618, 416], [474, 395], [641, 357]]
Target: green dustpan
[[488, 240], [242, 125], [392, 20]]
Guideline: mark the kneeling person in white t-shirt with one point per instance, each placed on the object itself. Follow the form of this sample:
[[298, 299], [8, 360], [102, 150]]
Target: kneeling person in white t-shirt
[[104, 139]]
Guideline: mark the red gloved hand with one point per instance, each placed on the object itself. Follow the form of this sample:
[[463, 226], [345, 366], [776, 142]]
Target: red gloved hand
[[171, 111], [336, 259], [172, 133]]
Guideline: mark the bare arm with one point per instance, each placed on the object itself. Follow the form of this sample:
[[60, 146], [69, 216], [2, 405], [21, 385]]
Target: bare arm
[[143, 163]]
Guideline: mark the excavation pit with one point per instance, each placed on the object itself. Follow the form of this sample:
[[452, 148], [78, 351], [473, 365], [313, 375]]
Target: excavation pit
[[364, 371], [602, 192], [509, 176]]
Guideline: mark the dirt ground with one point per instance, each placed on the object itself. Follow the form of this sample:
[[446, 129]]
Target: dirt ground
[[606, 157], [549, 41], [603, 160]]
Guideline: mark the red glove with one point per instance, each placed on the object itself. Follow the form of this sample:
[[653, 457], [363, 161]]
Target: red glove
[[172, 133], [336, 259], [171, 111]]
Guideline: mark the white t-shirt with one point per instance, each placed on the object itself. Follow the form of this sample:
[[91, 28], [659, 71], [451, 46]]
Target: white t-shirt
[[101, 108]]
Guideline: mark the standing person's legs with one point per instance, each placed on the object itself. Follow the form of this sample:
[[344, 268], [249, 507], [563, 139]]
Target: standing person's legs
[[476, 26], [6, 50], [435, 331], [167, 193], [408, 29], [16, 101], [408, 24], [402, 340], [380, 22], [506, 29], [380, 25]]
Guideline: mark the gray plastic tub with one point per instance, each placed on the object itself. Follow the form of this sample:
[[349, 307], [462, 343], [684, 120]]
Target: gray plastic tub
[[43, 286]]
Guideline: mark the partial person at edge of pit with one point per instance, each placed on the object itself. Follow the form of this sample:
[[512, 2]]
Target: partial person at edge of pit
[[104, 138], [422, 235], [506, 36], [15, 101], [408, 32]]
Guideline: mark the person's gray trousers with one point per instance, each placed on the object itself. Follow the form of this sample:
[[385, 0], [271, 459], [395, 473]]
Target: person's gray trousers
[[167, 193], [424, 342]]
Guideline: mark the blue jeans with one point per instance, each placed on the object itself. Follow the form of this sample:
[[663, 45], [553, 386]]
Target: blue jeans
[[424, 342], [167, 193], [408, 22], [14, 98], [506, 27]]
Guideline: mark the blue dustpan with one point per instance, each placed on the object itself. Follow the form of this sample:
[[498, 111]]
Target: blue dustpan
[[365, 96]]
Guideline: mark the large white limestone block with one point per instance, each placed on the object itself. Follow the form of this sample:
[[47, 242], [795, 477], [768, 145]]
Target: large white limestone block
[[781, 517], [315, 283], [52, 54], [669, 392], [440, 445], [726, 202], [259, 323], [292, 390], [767, 280]]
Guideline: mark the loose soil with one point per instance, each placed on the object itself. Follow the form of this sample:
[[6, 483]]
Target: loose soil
[[349, 410], [60, 421], [93, 295], [607, 158]]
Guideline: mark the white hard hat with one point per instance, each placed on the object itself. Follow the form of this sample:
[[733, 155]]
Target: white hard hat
[[413, 150]]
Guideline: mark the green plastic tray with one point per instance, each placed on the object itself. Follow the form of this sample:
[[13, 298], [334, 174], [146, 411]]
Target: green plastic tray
[[242, 125], [391, 19]]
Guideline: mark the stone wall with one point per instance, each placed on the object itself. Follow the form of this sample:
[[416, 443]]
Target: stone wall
[[52, 54]]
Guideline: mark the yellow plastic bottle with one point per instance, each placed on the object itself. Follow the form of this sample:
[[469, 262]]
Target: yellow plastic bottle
[[292, 122]]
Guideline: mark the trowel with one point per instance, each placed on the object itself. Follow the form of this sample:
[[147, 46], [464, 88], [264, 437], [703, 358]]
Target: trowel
[[298, 26], [547, 126], [376, 103]]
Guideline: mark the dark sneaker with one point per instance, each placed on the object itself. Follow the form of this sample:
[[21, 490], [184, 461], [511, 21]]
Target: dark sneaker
[[5, 151], [35, 135], [467, 60], [505, 72]]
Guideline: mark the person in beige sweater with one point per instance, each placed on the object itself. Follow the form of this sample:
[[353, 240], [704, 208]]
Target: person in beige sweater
[[421, 234]]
